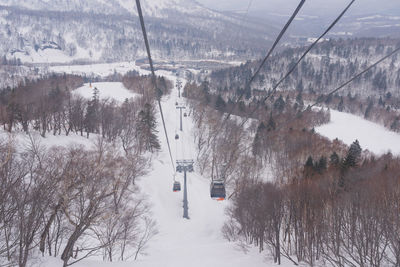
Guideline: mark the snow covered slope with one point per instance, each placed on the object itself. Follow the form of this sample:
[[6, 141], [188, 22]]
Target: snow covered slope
[[63, 31], [107, 90], [197, 242], [348, 127]]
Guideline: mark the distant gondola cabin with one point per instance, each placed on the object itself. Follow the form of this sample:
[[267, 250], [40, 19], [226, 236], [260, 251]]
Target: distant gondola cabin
[[217, 190]]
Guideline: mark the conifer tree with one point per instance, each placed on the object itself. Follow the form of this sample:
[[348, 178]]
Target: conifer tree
[[220, 103], [146, 129], [353, 155], [271, 123], [91, 116], [334, 159], [279, 104], [258, 138], [321, 165]]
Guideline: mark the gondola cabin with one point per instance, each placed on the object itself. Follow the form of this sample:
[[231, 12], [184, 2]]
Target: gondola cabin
[[217, 190], [185, 114], [176, 136], [176, 187]]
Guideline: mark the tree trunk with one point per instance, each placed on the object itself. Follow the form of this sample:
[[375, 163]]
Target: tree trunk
[[47, 228], [67, 253]]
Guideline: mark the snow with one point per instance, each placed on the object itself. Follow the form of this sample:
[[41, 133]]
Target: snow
[[348, 128], [341, 33], [370, 17], [112, 90], [22, 140], [42, 56], [51, 55], [196, 242]]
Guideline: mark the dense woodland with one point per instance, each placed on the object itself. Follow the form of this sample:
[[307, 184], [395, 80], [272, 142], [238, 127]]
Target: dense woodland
[[328, 65], [75, 201], [71, 202], [296, 194], [375, 95]]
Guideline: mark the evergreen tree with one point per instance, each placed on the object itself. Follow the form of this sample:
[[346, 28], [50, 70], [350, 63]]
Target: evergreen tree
[[334, 159], [299, 99], [381, 102], [341, 104], [321, 165], [146, 129], [91, 116], [279, 104], [309, 168], [300, 87], [257, 142], [369, 108], [353, 155], [220, 103], [309, 162], [271, 123]]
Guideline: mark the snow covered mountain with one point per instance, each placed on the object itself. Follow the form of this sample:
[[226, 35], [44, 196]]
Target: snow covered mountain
[[155, 8], [62, 31]]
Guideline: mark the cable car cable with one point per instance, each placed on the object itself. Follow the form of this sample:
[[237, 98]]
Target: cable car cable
[[336, 90], [247, 85], [299, 60], [284, 29], [307, 51], [153, 77]]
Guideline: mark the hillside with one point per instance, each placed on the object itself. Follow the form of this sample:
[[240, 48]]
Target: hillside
[[66, 31], [328, 65]]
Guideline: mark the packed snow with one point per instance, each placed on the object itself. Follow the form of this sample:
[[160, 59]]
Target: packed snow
[[348, 128], [111, 90]]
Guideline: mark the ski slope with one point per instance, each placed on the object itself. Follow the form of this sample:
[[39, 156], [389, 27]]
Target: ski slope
[[348, 128], [197, 242]]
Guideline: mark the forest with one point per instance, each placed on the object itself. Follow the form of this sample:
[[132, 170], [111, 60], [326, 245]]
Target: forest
[[294, 193], [75, 201], [374, 95]]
